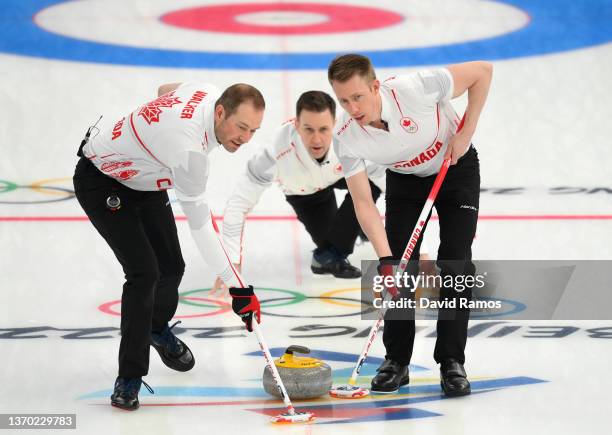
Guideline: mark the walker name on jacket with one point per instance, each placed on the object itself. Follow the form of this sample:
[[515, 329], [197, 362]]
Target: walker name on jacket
[[425, 156], [191, 105]]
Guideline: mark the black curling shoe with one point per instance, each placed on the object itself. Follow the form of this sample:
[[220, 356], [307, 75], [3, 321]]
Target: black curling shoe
[[173, 352], [391, 376], [453, 379], [125, 394], [329, 261]]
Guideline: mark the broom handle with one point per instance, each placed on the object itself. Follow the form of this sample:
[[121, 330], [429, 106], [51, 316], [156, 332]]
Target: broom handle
[[260, 338], [272, 367]]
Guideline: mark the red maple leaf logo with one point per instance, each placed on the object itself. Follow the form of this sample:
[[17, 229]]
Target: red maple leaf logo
[[150, 111], [409, 125], [125, 175]]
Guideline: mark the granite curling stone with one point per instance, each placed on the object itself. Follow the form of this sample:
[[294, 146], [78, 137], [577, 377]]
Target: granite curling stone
[[303, 377]]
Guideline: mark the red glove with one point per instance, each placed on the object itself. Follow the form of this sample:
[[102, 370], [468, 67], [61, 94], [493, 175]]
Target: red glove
[[245, 304], [385, 268]]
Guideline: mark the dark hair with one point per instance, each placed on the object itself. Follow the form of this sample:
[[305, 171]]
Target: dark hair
[[344, 67], [237, 94], [315, 101]]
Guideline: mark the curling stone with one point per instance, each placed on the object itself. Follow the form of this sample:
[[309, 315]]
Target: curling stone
[[303, 377]]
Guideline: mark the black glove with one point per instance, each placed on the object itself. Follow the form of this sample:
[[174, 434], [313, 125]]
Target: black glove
[[245, 304]]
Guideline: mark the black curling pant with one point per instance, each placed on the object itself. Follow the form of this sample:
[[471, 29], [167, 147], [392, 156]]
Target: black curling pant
[[457, 206], [328, 224], [143, 237]]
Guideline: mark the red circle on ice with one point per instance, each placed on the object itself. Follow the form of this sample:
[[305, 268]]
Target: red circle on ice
[[282, 18], [107, 308]]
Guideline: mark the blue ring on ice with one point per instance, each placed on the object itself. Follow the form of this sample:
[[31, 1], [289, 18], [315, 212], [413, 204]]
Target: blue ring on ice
[[555, 26]]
